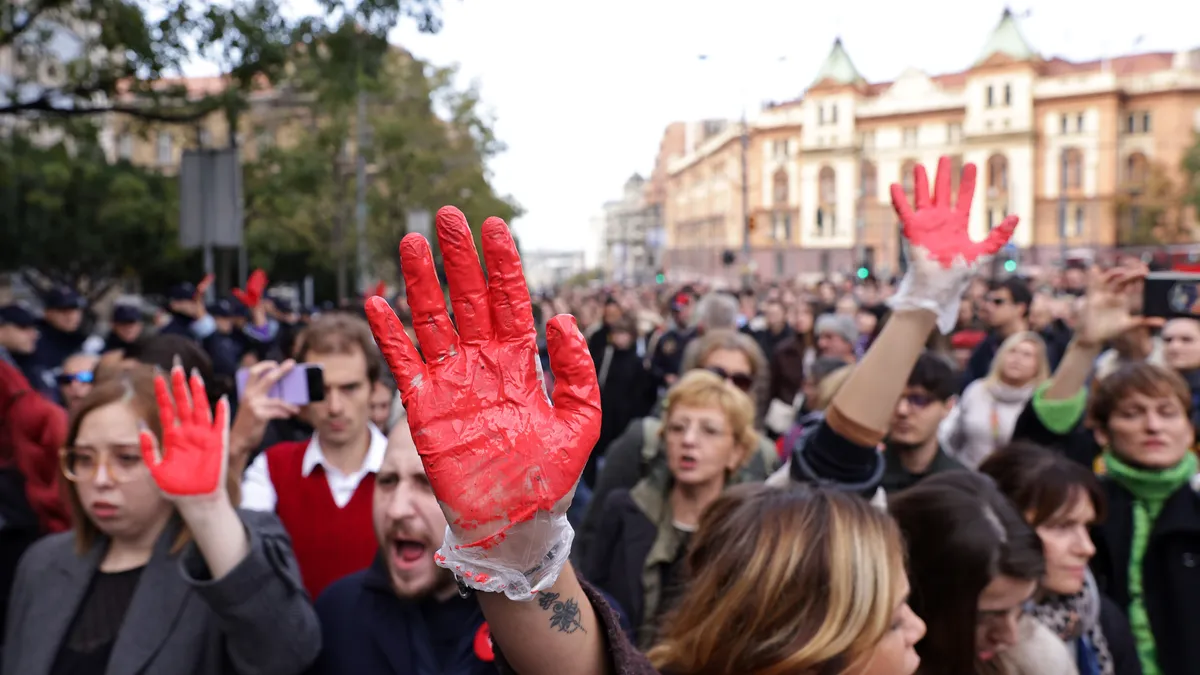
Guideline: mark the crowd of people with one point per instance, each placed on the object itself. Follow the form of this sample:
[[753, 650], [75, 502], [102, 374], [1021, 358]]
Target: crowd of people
[[945, 473]]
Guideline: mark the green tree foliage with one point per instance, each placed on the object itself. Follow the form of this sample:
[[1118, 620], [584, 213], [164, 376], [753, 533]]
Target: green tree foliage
[[69, 214], [428, 143]]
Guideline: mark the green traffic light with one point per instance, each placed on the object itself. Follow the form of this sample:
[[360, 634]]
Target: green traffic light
[[1010, 265], [863, 273], [659, 279]]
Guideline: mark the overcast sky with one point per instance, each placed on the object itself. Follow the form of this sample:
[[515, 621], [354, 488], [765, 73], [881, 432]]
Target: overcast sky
[[582, 89]]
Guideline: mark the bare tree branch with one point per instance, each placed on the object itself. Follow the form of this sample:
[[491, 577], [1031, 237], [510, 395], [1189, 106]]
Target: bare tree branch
[[45, 106]]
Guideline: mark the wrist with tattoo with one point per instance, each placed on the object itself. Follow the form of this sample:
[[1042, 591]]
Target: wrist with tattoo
[[564, 614]]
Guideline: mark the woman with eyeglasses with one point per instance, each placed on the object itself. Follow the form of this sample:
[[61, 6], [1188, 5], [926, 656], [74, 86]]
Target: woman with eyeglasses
[[728, 354], [974, 565], [643, 534], [161, 574]]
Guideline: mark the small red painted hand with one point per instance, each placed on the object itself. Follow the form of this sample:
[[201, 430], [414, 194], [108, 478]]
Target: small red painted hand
[[496, 451], [380, 289], [195, 446], [942, 255], [256, 285], [938, 227]]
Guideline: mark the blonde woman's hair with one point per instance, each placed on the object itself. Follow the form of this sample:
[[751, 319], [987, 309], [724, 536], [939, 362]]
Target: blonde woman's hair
[[1010, 344], [702, 389], [783, 581]]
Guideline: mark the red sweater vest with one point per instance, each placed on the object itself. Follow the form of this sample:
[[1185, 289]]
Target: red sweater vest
[[329, 542]]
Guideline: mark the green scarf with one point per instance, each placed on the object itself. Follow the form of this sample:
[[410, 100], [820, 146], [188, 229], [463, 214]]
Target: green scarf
[[1150, 490]]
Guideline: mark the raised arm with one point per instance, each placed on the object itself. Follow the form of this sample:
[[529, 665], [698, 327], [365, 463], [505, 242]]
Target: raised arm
[[501, 458], [942, 261]]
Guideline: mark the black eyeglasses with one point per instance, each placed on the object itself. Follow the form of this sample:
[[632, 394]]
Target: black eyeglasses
[[63, 379], [740, 380]]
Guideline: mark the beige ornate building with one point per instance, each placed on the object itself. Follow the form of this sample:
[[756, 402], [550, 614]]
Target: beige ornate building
[[1070, 146]]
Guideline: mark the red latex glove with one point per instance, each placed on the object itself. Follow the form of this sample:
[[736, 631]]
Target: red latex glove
[[380, 289], [495, 450], [195, 446], [938, 227], [255, 286], [202, 287]]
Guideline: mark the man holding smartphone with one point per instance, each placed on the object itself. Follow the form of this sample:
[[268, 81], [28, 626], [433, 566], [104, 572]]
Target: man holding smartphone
[[321, 488]]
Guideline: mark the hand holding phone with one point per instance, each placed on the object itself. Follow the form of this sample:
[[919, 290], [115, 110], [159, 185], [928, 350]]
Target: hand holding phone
[[300, 384], [1171, 295]]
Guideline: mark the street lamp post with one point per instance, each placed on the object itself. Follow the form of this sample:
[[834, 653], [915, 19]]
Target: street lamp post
[[747, 272]]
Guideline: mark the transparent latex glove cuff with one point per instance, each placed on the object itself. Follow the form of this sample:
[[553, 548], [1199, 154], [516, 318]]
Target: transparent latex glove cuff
[[526, 560], [930, 286]]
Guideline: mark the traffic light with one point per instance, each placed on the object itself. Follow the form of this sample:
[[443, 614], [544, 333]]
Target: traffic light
[[863, 273], [660, 277], [1010, 265]]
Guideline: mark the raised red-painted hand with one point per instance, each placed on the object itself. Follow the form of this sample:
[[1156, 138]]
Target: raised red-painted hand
[[195, 446], [938, 227], [380, 289], [495, 450], [256, 285]]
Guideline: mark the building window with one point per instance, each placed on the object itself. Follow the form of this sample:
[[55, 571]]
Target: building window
[[827, 190], [1130, 124], [954, 132], [910, 137], [997, 174], [1078, 221], [1072, 166], [820, 114], [1065, 128], [781, 226], [163, 149], [868, 181], [1008, 94], [1146, 123], [125, 146], [906, 176], [991, 96], [833, 114], [779, 193], [868, 140], [1136, 170], [1138, 123], [1079, 123]]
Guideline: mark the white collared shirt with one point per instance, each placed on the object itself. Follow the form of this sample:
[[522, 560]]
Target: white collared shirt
[[258, 493]]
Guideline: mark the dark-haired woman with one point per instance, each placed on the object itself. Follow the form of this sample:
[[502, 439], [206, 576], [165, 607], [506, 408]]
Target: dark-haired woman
[[1148, 548], [1061, 500], [974, 565]]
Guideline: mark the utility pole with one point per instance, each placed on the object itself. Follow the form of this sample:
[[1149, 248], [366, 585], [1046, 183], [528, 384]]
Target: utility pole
[[360, 179], [747, 273], [1062, 206]]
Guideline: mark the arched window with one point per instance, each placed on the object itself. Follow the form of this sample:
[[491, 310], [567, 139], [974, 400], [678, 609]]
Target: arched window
[[906, 175], [1078, 220], [779, 192], [828, 185], [997, 169], [1137, 169], [1072, 161], [868, 181], [827, 197]]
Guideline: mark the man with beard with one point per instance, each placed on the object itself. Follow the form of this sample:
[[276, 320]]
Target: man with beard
[[403, 614], [912, 449]]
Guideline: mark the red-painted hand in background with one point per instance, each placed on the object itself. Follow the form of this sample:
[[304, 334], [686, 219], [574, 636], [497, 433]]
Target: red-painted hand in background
[[195, 446], [380, 289], [942, 257], [938, 227], [256, 285], [495, 450]]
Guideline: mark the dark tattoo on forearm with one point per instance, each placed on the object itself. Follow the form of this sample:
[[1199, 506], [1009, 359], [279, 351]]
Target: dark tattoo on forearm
[[564, 615]]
